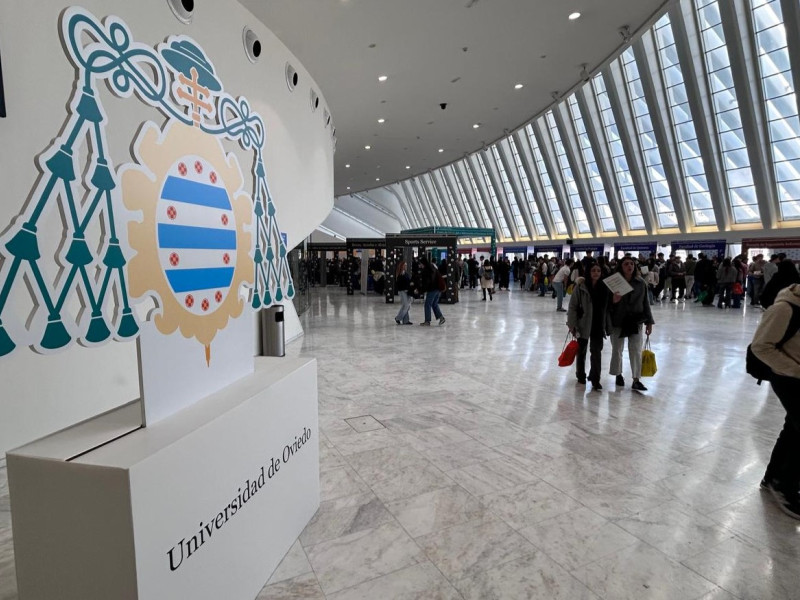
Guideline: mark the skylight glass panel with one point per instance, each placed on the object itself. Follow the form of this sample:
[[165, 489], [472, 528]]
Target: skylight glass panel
[[493, 197], [581, 220], [622, 172], [463, 195], [512, 198], [478, 198], [783, 123], [589, 161], [425, 201], [547, 184], [654, 167], [526, 189], [452, 200], [680, 116], [736, 162], [437, 199]]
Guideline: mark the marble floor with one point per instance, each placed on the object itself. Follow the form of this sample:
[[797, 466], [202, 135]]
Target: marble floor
[[459, 462]]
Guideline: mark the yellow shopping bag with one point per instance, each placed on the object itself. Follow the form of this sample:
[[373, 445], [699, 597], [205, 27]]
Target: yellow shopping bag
[[649, 367]]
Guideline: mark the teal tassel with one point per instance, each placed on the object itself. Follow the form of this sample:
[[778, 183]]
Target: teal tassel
[[270, 254], [258, 256], [87, 108], [6, 345], [114, 258], [24, 244], [127, 325], [259, 210], [278, 294], [290, 291], [271, 209], [267, 298], [256, 300], [98, 330], [260, 169], [60, 164], [282, 251], [102, 178], [78, 253], [55, 334]]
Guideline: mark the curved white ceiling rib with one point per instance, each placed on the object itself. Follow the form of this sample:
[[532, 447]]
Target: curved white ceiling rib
[[466, 54]]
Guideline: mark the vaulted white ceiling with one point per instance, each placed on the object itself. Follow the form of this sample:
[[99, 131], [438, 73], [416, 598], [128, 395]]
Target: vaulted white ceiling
[[468, 54]]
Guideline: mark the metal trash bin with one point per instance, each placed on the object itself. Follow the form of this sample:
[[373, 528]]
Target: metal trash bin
[[273, 339]]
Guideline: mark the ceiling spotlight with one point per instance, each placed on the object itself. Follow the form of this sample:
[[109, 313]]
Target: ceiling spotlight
[[367, 147], [585, 72], [382, 78], [381, 120], [575, 15], [519, 86], [377, 179], [555, 95], [476, 125], [625, 34], [348, 187], [347, 166], [408, 166], [441, 149]]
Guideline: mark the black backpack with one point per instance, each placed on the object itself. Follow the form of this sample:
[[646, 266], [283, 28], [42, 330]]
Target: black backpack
[[756, 367]]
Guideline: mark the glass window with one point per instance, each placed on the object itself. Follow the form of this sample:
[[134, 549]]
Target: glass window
[[451, 200], [726, 112], [589, 161], [462, 194], [692, 169], [633, 212], [510, 195], [581, 220], [541, 230], [781, 102], [547, 184], [488, 223], [654, 167], [495, 201]]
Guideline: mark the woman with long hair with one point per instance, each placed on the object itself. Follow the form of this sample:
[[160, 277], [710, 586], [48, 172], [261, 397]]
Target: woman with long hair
[[586, 320], [628, 313], [403, 286]]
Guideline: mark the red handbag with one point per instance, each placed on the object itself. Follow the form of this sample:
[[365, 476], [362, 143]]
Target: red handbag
[[568, 354], [737, 289]]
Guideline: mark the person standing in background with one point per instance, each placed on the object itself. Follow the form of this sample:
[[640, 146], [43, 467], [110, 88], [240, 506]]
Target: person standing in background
[[677, 273], [690, 266], [559, 281], [487, 279], [770, 268], [755, 277], [405, 292]]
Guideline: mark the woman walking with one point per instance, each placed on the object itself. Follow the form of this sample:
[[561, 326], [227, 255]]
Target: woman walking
[[627, 313], [727, 275], [487, 279], [587, 320], [406, 297]]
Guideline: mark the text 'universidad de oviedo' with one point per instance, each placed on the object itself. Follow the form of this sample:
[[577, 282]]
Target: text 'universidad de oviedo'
[[187, 547]]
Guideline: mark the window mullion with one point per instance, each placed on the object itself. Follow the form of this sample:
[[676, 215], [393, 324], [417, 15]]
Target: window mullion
[[537, 186]]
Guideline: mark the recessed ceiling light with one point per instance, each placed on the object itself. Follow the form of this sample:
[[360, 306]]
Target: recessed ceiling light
[[347, 166], [575, 15], [367, 147], [348, 187], [377, 179], [519, 86], [408, 166], [441, 149], [381, 120], [384, 77], [476, 125]]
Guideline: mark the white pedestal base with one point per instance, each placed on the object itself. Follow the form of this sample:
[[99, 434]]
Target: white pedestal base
[[162, 512]]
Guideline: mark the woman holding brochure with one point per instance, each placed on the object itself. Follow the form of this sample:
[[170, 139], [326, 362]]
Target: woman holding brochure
[[628, 310]]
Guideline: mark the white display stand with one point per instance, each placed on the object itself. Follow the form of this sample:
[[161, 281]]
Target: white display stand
[[161, 512]]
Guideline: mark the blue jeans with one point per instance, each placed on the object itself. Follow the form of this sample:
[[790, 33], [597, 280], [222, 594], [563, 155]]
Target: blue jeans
[[432, 303], [559, 288]]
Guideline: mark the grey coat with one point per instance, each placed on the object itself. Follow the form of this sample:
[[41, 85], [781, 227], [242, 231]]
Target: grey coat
[[579, 312]]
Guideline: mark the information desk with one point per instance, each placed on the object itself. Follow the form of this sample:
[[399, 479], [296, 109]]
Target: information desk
[[203, 504]]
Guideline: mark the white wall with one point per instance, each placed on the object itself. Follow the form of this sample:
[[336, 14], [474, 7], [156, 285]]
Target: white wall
[[40, 394]]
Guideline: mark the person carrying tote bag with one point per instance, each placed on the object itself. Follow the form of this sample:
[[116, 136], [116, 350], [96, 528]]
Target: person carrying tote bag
[[587, 320]]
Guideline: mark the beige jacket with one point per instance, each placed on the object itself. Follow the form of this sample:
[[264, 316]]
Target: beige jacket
[[784, 361]]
